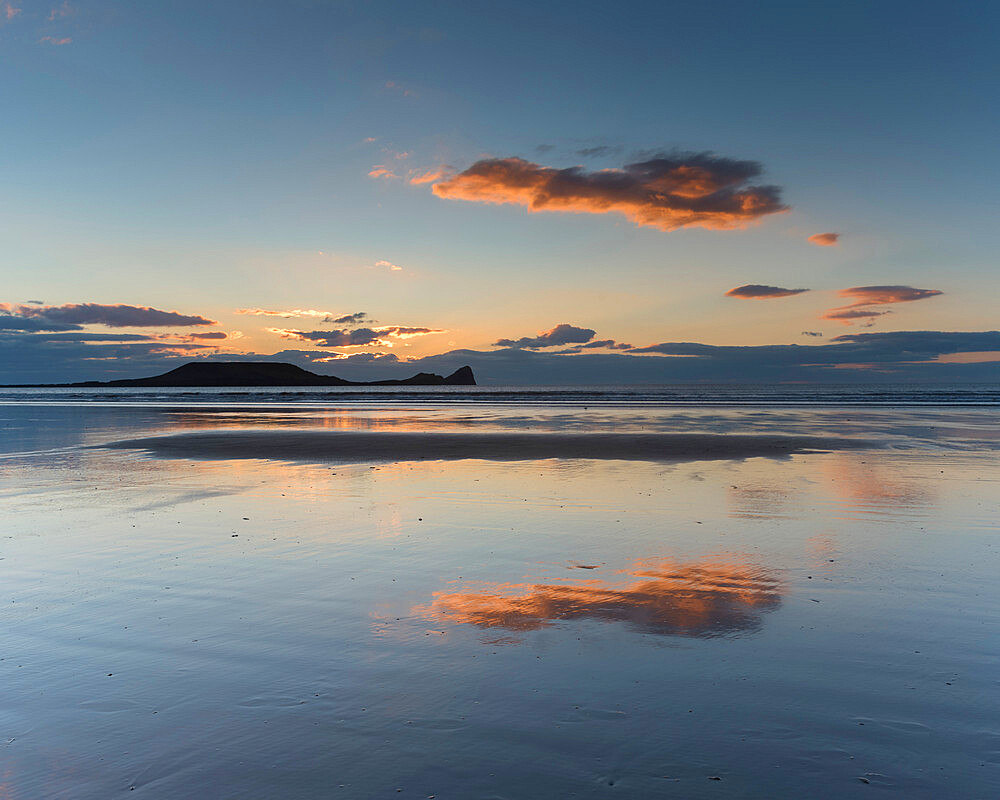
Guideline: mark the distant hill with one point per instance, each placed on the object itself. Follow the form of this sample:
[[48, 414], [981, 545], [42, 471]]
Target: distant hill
[[269, 373]]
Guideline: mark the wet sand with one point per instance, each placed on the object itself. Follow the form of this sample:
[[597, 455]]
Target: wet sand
[[238, 624], [376, 446]]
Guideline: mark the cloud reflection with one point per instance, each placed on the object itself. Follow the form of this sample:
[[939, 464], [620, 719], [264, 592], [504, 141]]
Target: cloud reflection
[[701, 599]]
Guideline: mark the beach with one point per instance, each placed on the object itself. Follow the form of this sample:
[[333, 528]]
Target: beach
[[510, 597]]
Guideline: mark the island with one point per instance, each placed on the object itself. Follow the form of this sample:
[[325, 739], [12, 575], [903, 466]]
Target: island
[[265, 373]]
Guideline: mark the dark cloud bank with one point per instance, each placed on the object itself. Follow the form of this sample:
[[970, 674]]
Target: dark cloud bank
[[905, 356]]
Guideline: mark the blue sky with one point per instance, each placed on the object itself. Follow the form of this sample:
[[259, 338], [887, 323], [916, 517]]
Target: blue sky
[[208, 157]]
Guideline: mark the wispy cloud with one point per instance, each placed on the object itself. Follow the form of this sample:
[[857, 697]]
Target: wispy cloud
[[599, 151], [359, 358], [866, 296], [849, 315], [428, 176], [388, 265], [64, 10], [824, 239], [381, 171], [289, 314], [395, 86], [668, 192], [382, 336], [357, 318], [756, 291], [54, 41], [606, 344], [10, 11]]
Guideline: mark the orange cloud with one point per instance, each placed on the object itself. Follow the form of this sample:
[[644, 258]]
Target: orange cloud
[[10, 11], [824, 239], [428, 177], [380, 171], [54, 41], [880, 295], [666, 192], [389, 265], [700, 599]]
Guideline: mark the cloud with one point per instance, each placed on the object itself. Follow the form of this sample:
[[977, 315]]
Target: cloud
[[113, 316], [865, 296], [812, 333], [54, 41], [668, 192], [824, 239], [880, 295], [359, 358], [289, 314], [357, 337], [10, 11], [848, 315], [756, 291], [397, 87], [92, 337], [428, 176], [389, 265], [560, 335], [356, 318], [61, 11], [209, 335], [897, 349], [606, 344], [9, 322], [381, 171], [598, 151]]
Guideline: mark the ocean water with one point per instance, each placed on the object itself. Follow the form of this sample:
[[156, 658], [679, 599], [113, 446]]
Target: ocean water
[[821, 624]]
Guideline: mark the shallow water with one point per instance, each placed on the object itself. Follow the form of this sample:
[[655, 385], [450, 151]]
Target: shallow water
[[816, 625]]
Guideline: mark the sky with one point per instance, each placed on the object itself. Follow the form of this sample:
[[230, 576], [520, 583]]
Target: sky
[[636, 191]]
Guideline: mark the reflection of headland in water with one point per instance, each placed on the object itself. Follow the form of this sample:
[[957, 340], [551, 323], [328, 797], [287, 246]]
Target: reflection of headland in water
[[701, 599]]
